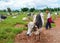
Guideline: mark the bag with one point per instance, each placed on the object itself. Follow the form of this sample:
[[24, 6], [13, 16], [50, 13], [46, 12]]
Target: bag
[[50, 20]]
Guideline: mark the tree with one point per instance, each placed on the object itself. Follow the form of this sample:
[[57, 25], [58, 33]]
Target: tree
[[4, 10], [24, 9], [55, 9], [9, 10], [17, 10], [32, 9]]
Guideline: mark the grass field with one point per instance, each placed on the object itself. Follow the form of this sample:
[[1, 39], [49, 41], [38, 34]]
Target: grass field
[[8, 30]]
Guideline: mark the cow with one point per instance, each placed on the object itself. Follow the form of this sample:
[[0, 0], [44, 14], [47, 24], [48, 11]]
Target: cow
[[37, 24], [37, 21], [2, 17], [25, 18]]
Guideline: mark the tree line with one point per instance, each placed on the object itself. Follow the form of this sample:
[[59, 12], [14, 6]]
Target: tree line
[[31, 10]]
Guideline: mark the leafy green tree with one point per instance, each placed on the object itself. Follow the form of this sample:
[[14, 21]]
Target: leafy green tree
[[32, 9], [4, 10], [9, 10], [24, 9]]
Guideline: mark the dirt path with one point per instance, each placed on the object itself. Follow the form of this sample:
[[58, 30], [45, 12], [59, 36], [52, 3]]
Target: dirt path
[[47, 36]]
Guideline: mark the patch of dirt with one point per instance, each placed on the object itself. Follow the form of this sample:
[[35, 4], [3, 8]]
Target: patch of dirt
[[19, 25], [23, 38], [46, 36]]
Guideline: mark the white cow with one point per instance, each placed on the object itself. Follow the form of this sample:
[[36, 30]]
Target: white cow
[[14, 17], [56, 13], [32, 24], [24, 18], [8, 13]]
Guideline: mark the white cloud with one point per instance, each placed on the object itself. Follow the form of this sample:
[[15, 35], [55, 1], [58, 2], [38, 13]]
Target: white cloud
[[53, 5], [52, 0], [17, 4]]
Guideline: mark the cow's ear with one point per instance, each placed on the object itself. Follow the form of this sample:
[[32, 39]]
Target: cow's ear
[[26, 25]]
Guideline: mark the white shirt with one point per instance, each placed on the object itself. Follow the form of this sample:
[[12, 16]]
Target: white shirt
[[49, 15]]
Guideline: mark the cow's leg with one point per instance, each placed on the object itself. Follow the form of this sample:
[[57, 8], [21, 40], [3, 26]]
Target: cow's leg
[[37, 37], [37, 34]]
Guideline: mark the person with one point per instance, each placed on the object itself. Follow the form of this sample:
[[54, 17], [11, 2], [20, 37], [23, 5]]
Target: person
[[49, 20]]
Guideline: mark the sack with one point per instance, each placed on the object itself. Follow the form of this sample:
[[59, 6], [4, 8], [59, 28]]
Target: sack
[[50, 20]]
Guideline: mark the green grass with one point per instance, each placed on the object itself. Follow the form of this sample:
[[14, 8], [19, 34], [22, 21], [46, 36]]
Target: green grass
[[9, 34], [7, 29]]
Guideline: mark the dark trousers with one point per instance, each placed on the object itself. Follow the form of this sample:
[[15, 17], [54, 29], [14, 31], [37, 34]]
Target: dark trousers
[[48, 25]]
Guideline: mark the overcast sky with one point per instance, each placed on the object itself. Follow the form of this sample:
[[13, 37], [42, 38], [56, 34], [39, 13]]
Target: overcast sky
[[39, 4]]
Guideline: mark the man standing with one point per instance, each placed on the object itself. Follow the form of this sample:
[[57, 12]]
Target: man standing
[[49, 20]]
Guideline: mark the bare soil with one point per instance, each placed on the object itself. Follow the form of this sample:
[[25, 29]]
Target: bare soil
[[19, 25]]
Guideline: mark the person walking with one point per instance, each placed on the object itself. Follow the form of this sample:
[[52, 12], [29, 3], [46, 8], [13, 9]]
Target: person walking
[[49, 20]]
